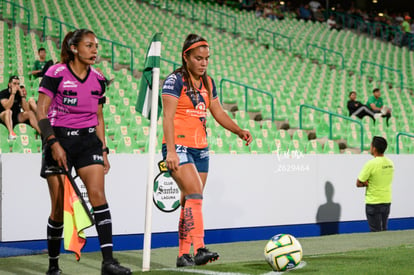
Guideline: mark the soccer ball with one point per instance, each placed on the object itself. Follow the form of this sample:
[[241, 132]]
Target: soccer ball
[[283, 252]]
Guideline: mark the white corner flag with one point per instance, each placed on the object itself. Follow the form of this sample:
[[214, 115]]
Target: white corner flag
[[149, 99]]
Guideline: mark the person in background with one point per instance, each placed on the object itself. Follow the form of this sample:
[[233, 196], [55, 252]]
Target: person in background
[[376, 104], [358, 109], [31, 101], [376, 177], [12, 98], [40, 65]]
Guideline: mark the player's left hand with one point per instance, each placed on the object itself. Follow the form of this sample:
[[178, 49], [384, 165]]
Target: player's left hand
[[246, 136]]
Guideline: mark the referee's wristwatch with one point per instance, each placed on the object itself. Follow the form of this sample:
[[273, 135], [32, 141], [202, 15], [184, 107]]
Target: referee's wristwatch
[[105, 150]]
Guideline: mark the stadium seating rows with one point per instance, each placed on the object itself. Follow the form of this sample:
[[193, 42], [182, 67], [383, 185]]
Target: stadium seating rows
[[291, 78]]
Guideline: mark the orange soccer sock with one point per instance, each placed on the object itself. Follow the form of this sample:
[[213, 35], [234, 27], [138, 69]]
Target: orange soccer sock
[[194, 219], [184, 240]]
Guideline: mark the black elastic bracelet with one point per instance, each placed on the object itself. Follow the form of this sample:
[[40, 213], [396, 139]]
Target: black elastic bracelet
[[51, 141], [105, 150]]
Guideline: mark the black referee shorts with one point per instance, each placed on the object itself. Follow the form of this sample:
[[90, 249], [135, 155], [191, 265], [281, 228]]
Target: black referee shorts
[[82, 146]]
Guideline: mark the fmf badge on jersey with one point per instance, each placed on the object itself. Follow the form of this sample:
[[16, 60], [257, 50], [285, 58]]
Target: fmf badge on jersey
[[166, 192]]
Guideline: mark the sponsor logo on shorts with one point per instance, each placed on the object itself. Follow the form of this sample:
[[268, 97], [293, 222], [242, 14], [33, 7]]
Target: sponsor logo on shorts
[[204, 154], [73, 133], [97, 158]]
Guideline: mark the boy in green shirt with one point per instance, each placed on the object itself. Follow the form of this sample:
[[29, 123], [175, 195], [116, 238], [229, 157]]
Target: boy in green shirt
[[377, 175], [40, 66], [376, 104]]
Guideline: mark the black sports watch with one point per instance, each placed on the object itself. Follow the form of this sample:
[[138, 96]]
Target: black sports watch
[[106, 149]]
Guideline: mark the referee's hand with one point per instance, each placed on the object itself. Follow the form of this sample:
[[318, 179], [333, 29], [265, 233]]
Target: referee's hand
[[59, 155]]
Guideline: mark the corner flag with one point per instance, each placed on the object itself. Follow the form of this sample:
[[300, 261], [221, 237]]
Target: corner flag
[[152, 60], [148, 101], [76, 218]]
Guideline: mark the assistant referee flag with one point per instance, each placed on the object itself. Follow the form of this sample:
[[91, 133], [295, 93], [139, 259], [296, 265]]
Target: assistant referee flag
[[152, 60], [75, 220]]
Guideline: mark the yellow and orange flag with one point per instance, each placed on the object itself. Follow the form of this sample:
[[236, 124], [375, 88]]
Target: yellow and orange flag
[[76, 218]]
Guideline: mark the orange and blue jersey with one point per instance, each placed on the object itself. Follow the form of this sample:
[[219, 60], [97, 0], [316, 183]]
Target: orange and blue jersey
[[190, 116]]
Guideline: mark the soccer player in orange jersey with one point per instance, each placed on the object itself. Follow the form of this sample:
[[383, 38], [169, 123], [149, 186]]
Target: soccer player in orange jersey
[[187, 94]]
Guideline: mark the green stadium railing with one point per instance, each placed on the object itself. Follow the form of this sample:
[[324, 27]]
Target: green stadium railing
[[275, 34], [397, 140], [380, 30], [221, 15], [246, 88], [14, 7], [176, 65], [331, 114], [112, 42], [325, 50], [382, 68]]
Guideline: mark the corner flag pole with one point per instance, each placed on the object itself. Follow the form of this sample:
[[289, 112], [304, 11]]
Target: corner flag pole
[[151, 152]]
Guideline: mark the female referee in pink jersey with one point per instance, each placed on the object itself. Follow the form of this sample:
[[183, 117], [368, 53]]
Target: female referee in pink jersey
[[187, 94], [71, 97]]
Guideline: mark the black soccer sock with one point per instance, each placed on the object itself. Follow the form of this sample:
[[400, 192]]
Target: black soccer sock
[[54, 240], [103, 225]]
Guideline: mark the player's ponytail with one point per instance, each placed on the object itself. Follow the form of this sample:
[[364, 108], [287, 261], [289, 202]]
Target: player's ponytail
[[72, 38]]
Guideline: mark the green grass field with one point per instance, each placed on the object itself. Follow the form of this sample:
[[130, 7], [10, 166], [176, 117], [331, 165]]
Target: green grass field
[[389, 252]]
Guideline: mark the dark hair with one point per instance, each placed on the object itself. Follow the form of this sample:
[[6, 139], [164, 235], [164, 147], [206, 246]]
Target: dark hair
[[380, 144], [41, 49], [350, 93], [13, 77], [189, 41], [72, 38], [375, 90]]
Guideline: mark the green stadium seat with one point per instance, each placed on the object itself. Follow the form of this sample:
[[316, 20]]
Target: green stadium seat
[[238, 146], [126, 145], [278, 146], [296, 145], [301, 136], [331, 147], [120, 132], [4, 146], [313, 147], [241, 116], [24, 144], [258, 147], [283, 135], [112, 123], [219, 146], [137, 121], [4, 133]]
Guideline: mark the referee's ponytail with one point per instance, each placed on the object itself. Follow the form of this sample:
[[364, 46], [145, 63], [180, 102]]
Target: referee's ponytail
[[72, 38]]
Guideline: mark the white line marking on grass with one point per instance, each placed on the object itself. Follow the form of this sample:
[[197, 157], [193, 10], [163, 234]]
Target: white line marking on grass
[[302, 264], [199, 271]]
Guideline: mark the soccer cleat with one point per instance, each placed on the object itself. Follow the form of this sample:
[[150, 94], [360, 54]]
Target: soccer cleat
[[54, 270], [204, 256], [185, 260], [12, 136], [112, 267]]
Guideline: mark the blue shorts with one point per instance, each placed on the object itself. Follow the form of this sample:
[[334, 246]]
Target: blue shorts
[[200, 157]]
